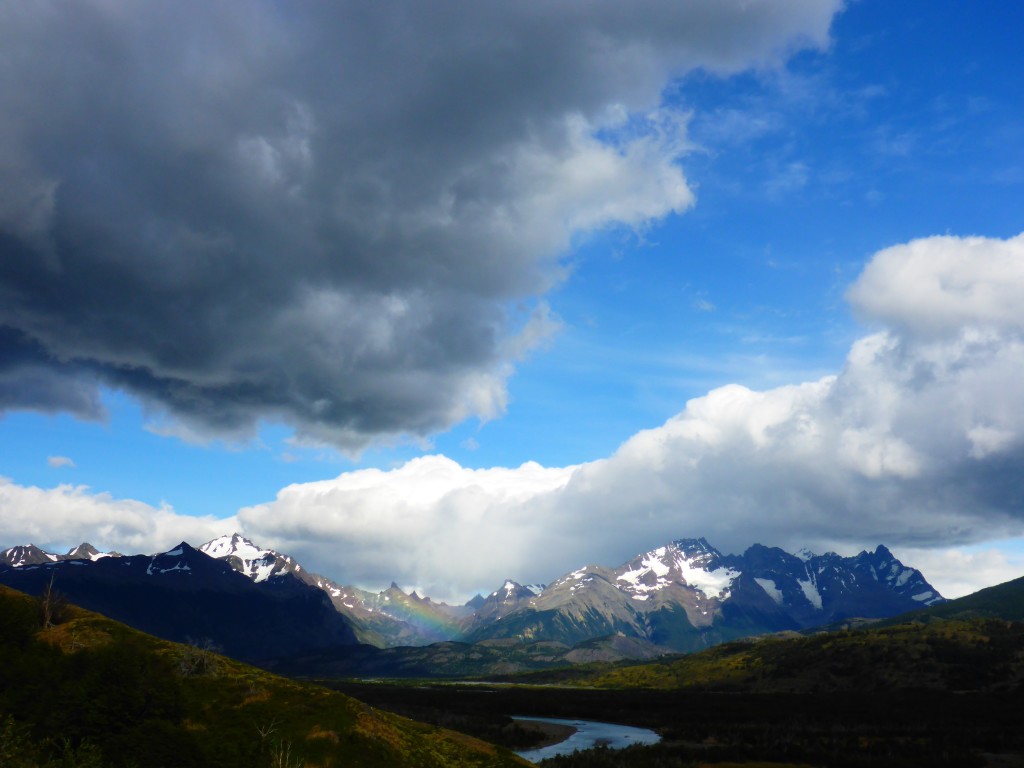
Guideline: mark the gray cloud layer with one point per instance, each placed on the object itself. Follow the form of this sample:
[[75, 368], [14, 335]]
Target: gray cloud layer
[[321, 213]]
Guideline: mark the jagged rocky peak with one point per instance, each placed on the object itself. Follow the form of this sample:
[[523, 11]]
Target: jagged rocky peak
[[885, 568], [685, 562], [805, 554], [182, 551], [513, 590], [30, 554], [246, 557], [84, 551], [695, 547], [759, 557], [232, 544], [27, 554]]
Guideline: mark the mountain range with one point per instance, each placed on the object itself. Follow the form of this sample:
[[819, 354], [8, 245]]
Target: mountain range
[[259, 604], [184, 595]]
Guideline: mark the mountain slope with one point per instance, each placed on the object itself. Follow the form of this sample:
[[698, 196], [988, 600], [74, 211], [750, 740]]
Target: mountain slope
[[384, 619], [117, 697]]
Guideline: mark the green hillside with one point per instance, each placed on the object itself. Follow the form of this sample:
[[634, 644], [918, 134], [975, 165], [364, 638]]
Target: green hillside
[[87, 691], [975, 655], [1003, 601]]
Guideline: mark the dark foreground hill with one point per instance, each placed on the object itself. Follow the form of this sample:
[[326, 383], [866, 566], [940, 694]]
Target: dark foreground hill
[[88, 691]]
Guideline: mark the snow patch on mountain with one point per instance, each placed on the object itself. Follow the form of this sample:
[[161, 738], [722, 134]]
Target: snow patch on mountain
[[693, 563], [810, 590], [904, 577], [255, 562], [717, 583], [233, 544], [772, 591]]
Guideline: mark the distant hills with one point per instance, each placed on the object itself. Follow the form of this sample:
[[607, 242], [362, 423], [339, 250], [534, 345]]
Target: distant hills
[[261, 605]]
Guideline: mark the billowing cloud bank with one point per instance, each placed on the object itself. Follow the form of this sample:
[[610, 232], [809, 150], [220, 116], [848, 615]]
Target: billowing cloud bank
[[918, 442], [321, 214]]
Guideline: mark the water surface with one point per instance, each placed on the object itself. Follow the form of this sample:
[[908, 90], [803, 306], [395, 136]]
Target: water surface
[[589, 734]]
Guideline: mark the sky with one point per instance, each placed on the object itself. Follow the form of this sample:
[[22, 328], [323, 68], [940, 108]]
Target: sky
[[447, 293]]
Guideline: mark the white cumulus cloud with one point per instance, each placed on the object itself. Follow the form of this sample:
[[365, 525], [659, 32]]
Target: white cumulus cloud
[[65, 516], [917, 442]]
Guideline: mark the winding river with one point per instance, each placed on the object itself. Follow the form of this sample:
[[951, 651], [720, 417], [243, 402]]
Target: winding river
[[588, 734]]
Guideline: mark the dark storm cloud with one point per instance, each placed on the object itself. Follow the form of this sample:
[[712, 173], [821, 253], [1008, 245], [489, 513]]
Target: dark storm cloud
[[321, 213]]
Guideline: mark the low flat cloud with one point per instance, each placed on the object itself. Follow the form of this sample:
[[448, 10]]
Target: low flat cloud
[[324, 214], [57, 462]]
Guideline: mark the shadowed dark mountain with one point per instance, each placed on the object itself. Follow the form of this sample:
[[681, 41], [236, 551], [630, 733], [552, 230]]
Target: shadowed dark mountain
[[185, 596]]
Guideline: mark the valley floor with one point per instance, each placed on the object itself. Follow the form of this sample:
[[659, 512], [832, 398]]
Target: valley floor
[[900, 729]]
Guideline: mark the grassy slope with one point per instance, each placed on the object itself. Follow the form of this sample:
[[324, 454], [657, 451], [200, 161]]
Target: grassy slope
[[948, 655], [126, 695]]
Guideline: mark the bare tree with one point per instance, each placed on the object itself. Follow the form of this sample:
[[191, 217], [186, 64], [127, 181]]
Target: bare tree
[[52, 604], [281, 756]]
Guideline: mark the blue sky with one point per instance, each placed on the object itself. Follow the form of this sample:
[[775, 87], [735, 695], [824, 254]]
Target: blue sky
[[808, 141]]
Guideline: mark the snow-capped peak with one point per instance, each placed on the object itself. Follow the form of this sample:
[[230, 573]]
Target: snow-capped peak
[[689, 562], [234, 544], [512, 591], [30, 554], [248, 558]]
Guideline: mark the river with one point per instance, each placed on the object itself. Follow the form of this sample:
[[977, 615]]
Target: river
[[589, 734]]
